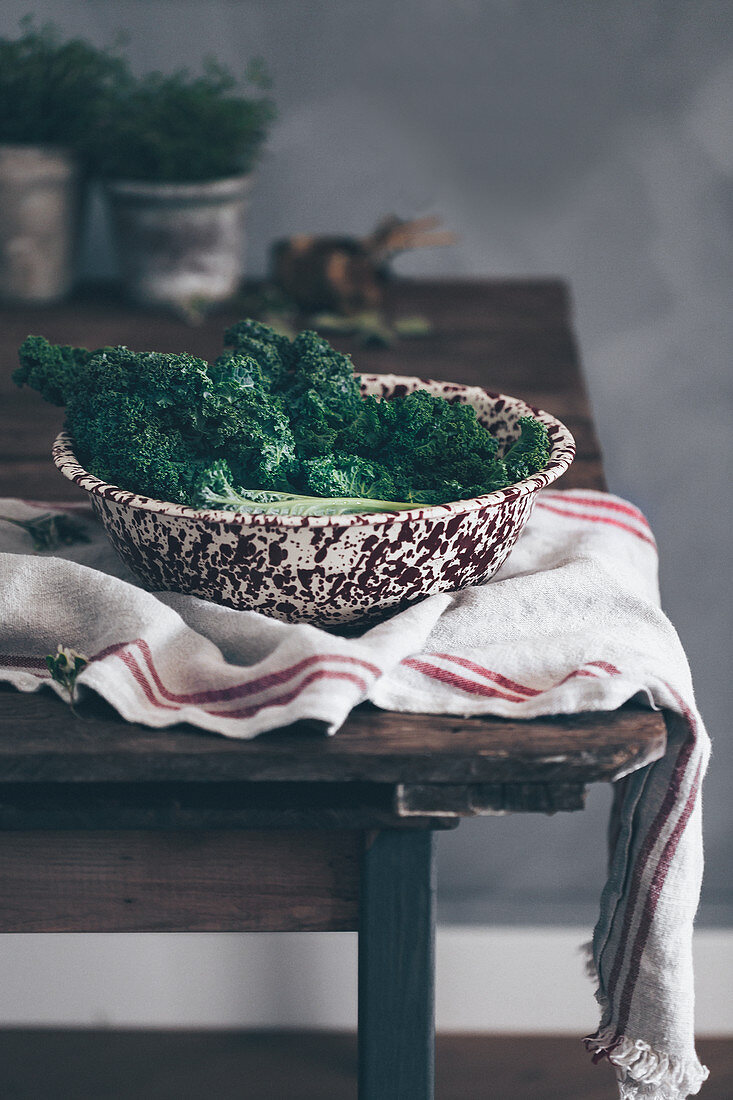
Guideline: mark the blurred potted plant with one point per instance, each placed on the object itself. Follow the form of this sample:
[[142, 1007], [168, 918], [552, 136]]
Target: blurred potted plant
[[176, 154], [52, 94]]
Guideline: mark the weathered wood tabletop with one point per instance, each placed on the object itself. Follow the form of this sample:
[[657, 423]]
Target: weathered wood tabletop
[[514, 336]]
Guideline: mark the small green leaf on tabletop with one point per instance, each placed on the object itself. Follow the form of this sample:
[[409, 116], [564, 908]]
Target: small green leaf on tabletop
[[64, 666], [369, 326], [279, 324], [51, 530], [373, 331], [333, 322], [408, 327]]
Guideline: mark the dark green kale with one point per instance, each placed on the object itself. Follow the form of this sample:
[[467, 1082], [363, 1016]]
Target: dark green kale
[[435, 442], [173, 388], [150, 422], [247, 424], [312, 425], [271, 351], [318, 369], [528, 454], [370, 430], [216, 489], [119, 439], [136, 420], [55, 370], [272, 425], [348, 476], [436, 451]]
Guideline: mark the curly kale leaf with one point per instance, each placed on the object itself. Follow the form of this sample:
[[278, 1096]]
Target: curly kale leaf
[[438, 451], [120, 442], [312, 425], [530, 453], [348, 476], [56, 371], [137, 421], [370, 430], [285, 418], [432, 447], [318, 368], [149, 421], [247, 424], [270, 351], [215, 488]]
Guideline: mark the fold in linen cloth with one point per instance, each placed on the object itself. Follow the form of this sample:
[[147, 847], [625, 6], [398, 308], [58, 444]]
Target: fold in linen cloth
[[570, 623]]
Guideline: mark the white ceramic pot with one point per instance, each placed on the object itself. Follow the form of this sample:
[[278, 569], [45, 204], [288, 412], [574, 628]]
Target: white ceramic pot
[[180, 244], [40, 200]]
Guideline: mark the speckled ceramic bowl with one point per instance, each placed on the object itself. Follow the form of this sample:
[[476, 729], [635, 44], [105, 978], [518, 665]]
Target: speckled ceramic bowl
[[328, 569]]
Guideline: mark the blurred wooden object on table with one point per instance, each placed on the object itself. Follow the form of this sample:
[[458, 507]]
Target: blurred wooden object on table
[[347, 274]]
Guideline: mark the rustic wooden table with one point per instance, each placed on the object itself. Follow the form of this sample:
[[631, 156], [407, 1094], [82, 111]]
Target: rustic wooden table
[[106, 826]]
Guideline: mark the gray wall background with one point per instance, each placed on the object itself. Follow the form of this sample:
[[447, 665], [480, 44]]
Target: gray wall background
[[588, 140]]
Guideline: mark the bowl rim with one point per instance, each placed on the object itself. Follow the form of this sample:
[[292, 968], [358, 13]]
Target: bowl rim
[[562, 452]]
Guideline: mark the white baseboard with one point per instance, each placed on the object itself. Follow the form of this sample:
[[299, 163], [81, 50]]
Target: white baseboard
[[510, 979]]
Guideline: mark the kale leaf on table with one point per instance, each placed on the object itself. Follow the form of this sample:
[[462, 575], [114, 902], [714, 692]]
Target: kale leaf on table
[[273, 425], [51, 530]]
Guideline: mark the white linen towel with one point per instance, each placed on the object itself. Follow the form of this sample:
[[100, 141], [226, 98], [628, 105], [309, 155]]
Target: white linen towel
[[570, 623]]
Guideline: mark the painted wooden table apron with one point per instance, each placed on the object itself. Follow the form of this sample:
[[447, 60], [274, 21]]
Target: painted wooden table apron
[[106, 826]]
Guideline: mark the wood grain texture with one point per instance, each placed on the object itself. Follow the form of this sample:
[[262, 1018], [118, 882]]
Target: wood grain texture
[[225, 805], [41, 744], [476, 799], [194, 881]]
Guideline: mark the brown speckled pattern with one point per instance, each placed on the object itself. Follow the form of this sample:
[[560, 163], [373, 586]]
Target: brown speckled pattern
[[328, 569]]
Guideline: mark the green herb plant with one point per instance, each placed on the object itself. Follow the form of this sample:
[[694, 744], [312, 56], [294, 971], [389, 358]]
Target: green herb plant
[[273, 425], [55, 91], [183, 128]]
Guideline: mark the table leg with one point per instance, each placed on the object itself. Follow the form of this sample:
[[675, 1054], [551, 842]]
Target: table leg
[[397, 966]]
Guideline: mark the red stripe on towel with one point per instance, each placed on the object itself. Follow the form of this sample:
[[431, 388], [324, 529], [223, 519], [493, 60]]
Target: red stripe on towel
[[470, 686], [242, 689], [650, 906], [496, 677], [606, 666], [598, 519], [283, 700], [138, 673], [577, 672], [592, 502], [587, 670], [655, 831], [142, 681], [249, 687]]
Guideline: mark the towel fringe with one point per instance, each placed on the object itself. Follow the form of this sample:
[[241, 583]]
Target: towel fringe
[[642, 1073]]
